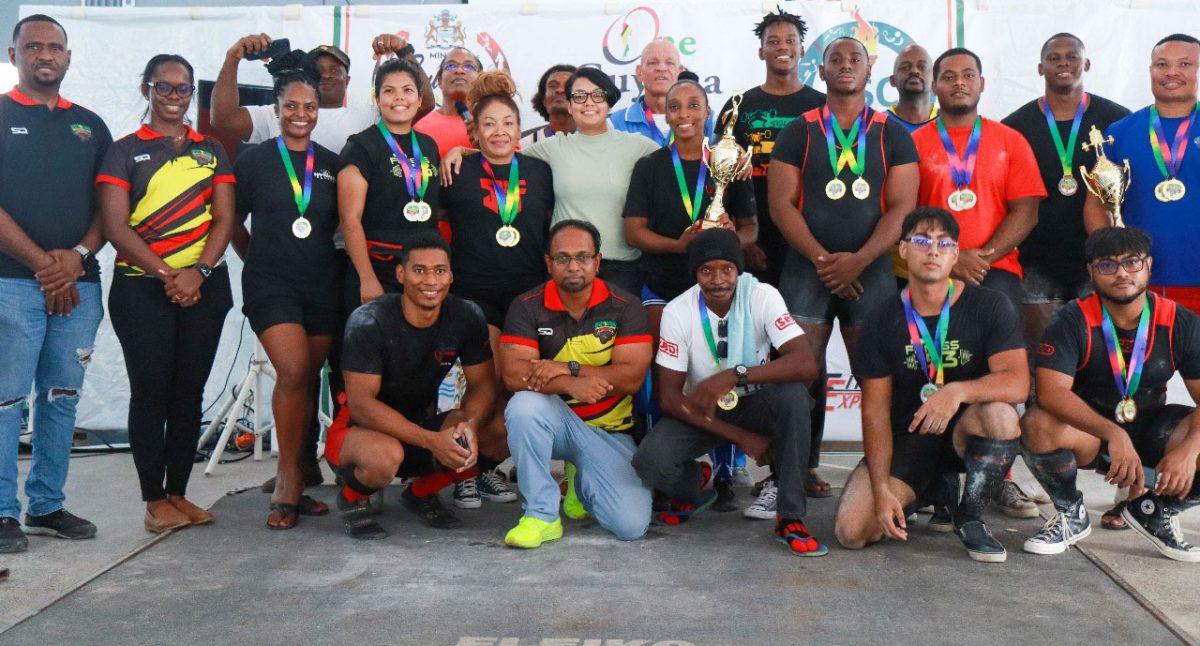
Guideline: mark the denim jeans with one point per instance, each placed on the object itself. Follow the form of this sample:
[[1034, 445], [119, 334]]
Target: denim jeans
[[47, 355]]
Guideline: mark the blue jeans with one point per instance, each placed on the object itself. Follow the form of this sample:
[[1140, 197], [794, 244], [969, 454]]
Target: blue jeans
[[541, 428], [48, 355]]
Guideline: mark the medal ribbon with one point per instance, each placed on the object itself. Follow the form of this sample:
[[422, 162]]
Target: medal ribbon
[[508, 203], [1168, 162], [1065, 154], [654, 126], [708, 332], [1127, 377], [962, 169], [847, 158], [414, 169], [921, 340], [303, 195], [690, 204]]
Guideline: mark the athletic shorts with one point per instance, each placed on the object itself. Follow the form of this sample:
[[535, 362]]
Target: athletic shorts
[[268, 301], [920, 460], [417, 461], [494, 303], [810, 301], [1149, 434], [651, 299], [1043, 286]]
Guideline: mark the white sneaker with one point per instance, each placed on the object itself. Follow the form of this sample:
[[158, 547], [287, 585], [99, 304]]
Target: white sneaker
[[1014, 503], [466, 494], [493, 488], [1063, 530], [741, 477], [763, 507]]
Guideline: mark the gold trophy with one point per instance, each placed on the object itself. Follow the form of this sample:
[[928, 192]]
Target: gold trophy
[[726, 161], [1107, 180]]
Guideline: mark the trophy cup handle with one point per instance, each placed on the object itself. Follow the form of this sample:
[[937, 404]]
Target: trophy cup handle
[[1088, 178]]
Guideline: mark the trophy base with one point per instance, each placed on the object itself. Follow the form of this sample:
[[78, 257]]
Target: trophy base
[[706, 224]]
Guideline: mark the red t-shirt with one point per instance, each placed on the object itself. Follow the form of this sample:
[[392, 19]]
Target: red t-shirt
[[1005, 169], [448, 132]]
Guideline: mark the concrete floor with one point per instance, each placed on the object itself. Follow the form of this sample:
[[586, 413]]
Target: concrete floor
[[717, 580]]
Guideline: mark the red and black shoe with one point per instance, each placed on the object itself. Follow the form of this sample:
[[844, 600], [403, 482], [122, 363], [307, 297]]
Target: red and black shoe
[[798, 539], [679, 511]]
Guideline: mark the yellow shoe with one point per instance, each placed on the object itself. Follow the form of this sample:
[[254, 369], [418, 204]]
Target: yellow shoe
[[572, 506], [532, 532]]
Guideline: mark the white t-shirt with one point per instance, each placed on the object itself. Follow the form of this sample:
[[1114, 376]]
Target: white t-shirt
[[682, 346], [334, 125]]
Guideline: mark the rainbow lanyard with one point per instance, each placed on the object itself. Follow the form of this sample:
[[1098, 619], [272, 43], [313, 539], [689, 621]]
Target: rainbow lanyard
[[1127, 377], [857, 163], [510, 201], [708, 333], [1065, 154], [922, 342], [414, 169], [654, 126], [303, 195], [962, 169], [1168, 162], [690, 204]]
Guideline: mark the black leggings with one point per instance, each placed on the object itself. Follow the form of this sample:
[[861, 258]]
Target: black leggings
[[169, 352]]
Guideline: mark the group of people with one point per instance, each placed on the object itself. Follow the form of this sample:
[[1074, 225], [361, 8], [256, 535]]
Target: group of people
[[556, 265]]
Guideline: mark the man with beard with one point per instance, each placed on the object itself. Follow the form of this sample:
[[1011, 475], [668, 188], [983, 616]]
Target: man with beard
[[551, 102], [657, 70], [912, 74], [1129, 432]]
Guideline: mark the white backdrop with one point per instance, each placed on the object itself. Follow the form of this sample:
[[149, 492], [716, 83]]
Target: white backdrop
[[110, 47]]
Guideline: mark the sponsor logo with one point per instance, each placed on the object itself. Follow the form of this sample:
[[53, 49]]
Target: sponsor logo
[[141, 158], [202, 157], [605, 330], [325, 175], [545, 331], [19, 131], [668, 348], [1045, 349], [445, 355], [627, 35], [83, 132], [872, 34], [785, 321], [843, 392]]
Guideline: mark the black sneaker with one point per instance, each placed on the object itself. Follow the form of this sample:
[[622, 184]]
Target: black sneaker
[[941, 520], [726, 499], [12, 539], [357, 521], [981, 545], [59, 524], [430, 510], [1159, 524]]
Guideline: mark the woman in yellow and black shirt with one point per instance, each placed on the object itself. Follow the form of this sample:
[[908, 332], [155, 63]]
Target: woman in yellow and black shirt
[[166, 194]]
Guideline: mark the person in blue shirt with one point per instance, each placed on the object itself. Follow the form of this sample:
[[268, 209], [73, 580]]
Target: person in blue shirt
[[647, 115]]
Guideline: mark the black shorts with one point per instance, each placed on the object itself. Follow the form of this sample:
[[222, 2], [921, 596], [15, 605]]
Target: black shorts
[[494, 303], [268, 301], [920, 460], [1149, 434], [1043, 286], [417, 461], [810, 301]]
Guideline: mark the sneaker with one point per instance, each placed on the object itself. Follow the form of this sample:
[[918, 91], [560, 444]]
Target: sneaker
[[1159, 524], [531, 532], [493, 488], [357, 521], [798, 539], [59, 524], [981, 545], [725, 496], [430, 509], [1013, 501], [1063, 530], [942, 520], [680, 511], [466, 494], [572, 506], [741, 477], [12, 539], [763, 507]]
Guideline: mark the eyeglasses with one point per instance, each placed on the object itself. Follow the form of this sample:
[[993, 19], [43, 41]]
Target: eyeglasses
[[1109, 267], [466, 67], [162, 88], [598, 96], [563, 260], [925, 244], [722, 343]]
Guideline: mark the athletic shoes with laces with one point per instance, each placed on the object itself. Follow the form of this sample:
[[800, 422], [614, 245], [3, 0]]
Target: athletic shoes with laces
[[797, 538], [357, 521], [532, 532], [726, 498], [741, 477], [680, 511], [1014, 502], [981, 545], [1159, 524], [12, 539], [466, 494], [1063, 530], [430, 509], [763, 507], [59, 524], [493, 488], [572, 506]]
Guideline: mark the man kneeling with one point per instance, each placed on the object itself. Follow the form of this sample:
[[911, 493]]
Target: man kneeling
[[397, 350], [1102, 372], [714, 353], [940, 368]]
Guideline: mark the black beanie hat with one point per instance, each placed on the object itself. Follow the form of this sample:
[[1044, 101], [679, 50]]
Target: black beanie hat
[[715, 244]]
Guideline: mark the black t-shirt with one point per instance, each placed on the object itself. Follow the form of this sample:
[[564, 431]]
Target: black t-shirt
[[481, 266], [844, 224], [983, 323], [383, 214], [654, 194], [265, 192], [413, 361], [1074, 344], [48, 165], [1056, 244]]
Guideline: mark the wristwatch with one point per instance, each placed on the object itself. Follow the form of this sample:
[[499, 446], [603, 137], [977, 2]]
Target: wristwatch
[[205, 270], [573, 366], [82, 251], [742, 373]]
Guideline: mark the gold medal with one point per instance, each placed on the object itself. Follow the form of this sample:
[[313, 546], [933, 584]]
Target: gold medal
[[301, 227], [1068, 186], [417, 211], [1170, 190], [508, 236], [961, 200], [835, 189], [1126, 411], [728, 401], [860, 189]]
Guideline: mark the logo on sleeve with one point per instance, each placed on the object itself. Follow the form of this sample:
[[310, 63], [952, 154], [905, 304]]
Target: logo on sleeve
[[668, 348], [141, 158], [19, 131], [785, 321], [545, 331], [83, 132], [605, 331], [1045, 349]]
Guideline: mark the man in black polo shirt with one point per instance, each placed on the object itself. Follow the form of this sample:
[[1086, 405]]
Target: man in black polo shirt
[[575, 351], [50, 151]]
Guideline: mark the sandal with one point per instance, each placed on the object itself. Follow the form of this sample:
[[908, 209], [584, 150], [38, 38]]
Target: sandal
[[1112, 518], [309, 506], [289, 516], [815, 487]]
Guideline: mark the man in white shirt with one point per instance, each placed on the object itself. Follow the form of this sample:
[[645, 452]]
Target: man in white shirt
[[717, 384]]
